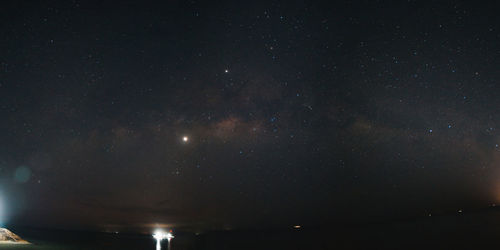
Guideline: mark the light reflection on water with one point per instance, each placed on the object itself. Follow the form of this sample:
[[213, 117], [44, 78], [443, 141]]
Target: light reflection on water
[[158, 245]]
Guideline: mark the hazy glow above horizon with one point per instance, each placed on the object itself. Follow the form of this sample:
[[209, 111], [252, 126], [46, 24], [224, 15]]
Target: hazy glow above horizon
[[1, 211]]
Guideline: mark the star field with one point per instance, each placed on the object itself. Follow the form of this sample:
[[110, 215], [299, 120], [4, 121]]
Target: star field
[[209, 115]]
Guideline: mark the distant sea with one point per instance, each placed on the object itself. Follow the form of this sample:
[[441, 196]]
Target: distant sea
[[464, 230]]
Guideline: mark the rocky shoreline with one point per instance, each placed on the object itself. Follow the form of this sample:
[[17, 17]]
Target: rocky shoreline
[[6, 236]]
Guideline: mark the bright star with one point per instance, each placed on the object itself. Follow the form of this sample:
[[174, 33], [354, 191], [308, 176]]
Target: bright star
[[185, 139], [226, 71]]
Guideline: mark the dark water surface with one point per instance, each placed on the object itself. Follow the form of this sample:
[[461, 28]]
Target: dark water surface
[[457, 231], [73, 240]]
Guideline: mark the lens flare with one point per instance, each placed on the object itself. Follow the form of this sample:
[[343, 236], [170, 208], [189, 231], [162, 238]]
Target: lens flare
[[1, 211]]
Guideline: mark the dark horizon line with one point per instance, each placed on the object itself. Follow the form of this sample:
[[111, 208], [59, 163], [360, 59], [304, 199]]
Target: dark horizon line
[[303, 227]]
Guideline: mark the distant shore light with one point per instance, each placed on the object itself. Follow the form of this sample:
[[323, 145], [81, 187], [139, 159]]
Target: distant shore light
[[160, 235]]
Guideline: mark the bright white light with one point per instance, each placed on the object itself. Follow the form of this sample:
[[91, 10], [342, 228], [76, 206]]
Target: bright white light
[[226, 71], [160, 235], [185, 139]]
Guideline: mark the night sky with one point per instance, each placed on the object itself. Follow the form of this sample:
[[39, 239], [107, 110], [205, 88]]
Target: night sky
[[242, 114]]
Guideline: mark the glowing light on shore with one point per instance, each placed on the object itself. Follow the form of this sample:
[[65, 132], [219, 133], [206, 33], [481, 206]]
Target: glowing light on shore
[[159, 235]]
